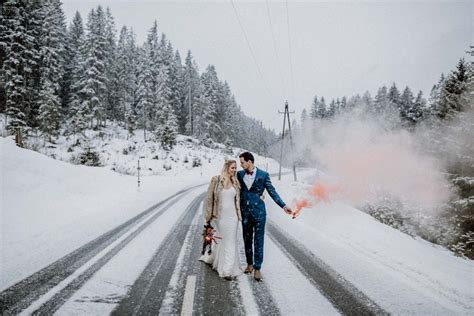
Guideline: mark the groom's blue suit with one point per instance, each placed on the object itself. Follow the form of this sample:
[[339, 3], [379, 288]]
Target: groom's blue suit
[[254, 214]]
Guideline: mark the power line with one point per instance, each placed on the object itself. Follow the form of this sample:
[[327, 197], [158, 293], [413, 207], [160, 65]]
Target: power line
[[250, 49], [274, 46], [291, 57]]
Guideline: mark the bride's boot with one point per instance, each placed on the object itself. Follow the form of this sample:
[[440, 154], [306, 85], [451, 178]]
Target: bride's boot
[[249, 269]]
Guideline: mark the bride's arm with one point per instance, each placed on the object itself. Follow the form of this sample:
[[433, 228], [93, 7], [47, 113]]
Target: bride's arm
[[210, 199]]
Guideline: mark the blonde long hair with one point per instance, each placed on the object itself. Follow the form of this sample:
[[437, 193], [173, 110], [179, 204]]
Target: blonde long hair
[[225, 175]]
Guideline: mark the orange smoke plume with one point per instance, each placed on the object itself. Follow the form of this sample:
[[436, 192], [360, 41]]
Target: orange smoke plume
[[319, 192], [299, 206], [322, 192]]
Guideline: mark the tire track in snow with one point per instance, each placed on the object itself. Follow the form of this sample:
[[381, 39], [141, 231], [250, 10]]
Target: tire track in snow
[[265, 303], [345, 296], [19, 296], [147, 293]]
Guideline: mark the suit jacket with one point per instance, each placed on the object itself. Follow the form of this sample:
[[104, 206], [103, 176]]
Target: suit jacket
[[251, 200], [214, 193]]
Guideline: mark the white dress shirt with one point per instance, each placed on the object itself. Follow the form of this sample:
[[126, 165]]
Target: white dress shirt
[[249, 179]]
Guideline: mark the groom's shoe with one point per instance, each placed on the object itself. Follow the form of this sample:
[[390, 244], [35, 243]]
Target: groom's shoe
[[249, 269], [257, 276]]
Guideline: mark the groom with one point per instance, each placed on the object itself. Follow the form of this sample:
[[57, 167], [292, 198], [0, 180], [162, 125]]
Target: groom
[[253, 183]]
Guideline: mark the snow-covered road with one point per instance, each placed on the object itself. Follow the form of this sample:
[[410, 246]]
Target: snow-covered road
[[98, 247], [144, 267]]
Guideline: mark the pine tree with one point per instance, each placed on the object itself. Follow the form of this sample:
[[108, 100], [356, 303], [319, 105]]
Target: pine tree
[[3, 54], [51, 52], [203, 118], [367, 100], [437, 97], [61, 29], [419, 108], [304, 117], [452, 94], [190, 93], [313, 114], [93, 87], [182, 110], [210, 85], [332, 109], [35, 14], [112, 80], [343, 105], [175, 81], [79, 113], [166, 122], [145, 93], [456, 88], [394, 97], [126, 70], [74, 62], [227, 115], [20, 57], [381, 102], [321, 110], [406, 105]]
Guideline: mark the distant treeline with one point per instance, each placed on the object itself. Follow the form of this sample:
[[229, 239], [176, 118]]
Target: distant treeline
[[66, 79], [452, 94]]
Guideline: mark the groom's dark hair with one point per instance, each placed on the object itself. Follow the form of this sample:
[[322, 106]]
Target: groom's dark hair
[[247, 156]]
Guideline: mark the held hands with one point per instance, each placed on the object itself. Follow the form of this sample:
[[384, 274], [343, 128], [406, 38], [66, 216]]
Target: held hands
[[287, 210]]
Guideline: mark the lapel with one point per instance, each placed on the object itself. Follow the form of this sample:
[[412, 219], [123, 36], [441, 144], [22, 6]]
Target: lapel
[[258, 174], [241, 174]]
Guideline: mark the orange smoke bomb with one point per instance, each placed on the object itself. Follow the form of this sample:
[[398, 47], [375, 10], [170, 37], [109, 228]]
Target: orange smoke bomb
[[299, 206]]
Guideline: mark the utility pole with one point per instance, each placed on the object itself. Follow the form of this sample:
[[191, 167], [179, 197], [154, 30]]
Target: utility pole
[[138, 169], [286, 115]]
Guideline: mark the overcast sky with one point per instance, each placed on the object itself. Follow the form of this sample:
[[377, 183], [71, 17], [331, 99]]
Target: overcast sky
[[337, 48]]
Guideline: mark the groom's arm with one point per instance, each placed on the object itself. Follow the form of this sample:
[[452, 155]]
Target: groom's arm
[[274, 195]]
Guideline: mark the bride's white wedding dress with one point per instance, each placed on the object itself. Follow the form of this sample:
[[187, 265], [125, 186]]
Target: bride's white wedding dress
[[225, 254]]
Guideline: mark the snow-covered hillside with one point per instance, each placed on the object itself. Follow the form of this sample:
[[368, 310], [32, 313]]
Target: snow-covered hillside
[[120, 152]]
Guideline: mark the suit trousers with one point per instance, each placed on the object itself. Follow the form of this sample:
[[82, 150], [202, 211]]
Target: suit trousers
[[253, 229]]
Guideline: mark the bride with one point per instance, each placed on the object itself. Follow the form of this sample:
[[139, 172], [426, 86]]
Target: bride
[[223, 208]]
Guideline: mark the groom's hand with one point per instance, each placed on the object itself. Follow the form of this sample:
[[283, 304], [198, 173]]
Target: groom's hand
[[287, 210]]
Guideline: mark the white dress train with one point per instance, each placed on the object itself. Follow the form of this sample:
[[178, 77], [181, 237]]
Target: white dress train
[[225, 254]]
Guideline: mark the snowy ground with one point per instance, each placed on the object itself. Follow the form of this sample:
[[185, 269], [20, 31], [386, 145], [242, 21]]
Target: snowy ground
[[50, 208]]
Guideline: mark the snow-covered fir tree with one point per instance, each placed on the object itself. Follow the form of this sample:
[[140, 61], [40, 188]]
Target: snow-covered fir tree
[[79, 114], [419, 108], [406, 104], [208, 110], [93, 92], [112, 80], [313, 113], [19, 44], [394, 97], [51, 66], [318, 109], [126, 69], [177, 89], [455, 90], [74, 45], [381, 102], [332, 109], [190, 94]]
